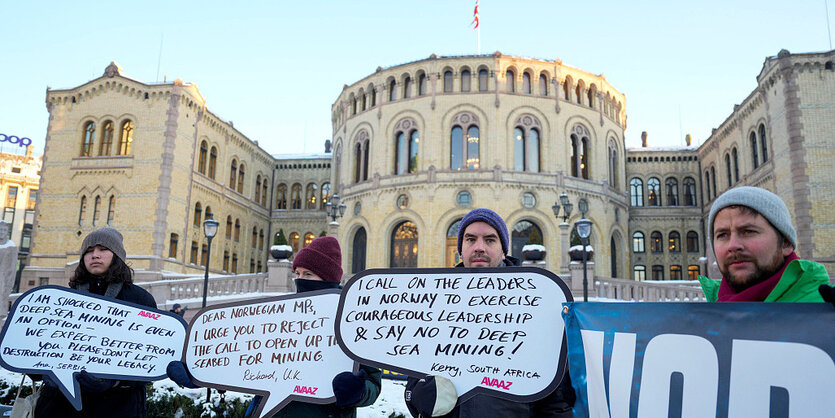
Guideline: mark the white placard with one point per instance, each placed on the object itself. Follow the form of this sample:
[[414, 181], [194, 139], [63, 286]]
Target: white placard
[[283, 348], [497, 331], [59, 332]]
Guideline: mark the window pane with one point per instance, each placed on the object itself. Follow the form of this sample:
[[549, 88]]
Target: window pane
[[456, 158], [482, 80], [518, 150], [413, 152], [532, 148], [400, 163], [447, 81], [465, 81], [472, 148]]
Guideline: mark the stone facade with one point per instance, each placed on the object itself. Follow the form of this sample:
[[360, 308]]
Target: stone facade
[[19, 177]]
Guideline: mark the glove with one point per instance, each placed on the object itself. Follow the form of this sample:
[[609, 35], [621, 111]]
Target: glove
[[93, 384], [828, 293], [177, 372], [348, 387], [431, 396]]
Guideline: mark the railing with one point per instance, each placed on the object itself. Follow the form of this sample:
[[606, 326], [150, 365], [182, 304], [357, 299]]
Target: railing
[[192, 287], [649, 291]]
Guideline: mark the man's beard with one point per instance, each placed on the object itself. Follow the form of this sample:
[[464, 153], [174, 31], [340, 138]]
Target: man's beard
[[760, 274]]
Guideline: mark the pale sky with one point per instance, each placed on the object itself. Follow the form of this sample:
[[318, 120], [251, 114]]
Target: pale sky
[[274, 68]]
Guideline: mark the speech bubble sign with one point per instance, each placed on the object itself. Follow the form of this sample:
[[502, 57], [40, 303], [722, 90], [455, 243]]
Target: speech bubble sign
[[495, 331], [281, 347], [57, 331]]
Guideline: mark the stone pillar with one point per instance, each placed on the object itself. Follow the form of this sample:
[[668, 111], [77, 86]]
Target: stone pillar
[[279, 276], [8, 265], [333, 229], [564, 227], [576, 284]]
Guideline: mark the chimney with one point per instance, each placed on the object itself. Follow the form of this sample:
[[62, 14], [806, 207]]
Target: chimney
[[644, 139], [327, 146], [688, 139]]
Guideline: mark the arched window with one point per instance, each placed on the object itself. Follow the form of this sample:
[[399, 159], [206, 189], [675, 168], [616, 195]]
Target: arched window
[[671, 184], [763, 147], [735, 157], [452, 256], [521, 234], [241, 178], [235, 263], [407, 87], [447, 81], [87, 139], [310, 195], [198, 214], [543, 85], [106, 138], [96, 210], [296, 196], [212, 162], [566, 89], [254, 237], [281, 196], [237, 230], [261, 239], [580, 151], [362, 100], [713, 180], [358, 251], [361, 141], [526, 83], [657, 272], [613, 163], [264, 188], [392, 91], [465, 81], [228, 227], [592, 94], [638, 242], [692, 242], [201, 159], [308, 238], [675, 242], [614, 243], [294, 241], [172, 245], [209, 213], [373, 96], [675, 272], [639, 273], [689, 191], [353, 105], [707, 184], [526, 144], [126, 140], [653, 192], [729, 170], [326, 195], [193, 258], [655, 239], [404, 245], [406, 146], [422, 84], [464, 142], [755, 156], [111, 210], [482, 80], [510, 80], [578, 92], [258, 188], [636, 192], [226, 261], [233, 174]]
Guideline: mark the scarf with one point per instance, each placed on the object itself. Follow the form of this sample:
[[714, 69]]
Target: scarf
[[757, 292], [303, 285]]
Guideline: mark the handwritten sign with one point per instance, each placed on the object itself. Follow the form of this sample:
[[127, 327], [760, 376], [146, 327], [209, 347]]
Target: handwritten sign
[[59, 332], [496, 331], [282, 347]]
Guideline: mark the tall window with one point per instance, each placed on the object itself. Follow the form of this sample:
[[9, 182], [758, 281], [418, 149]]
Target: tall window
[[755, 156], [406, 147], [580, 151], [452, 256], [237, 230], [82, 209], [233, 174], [675, 272], [692, 242], [510, 79], [636, 192], [87, 139], [264, 188], [407, 87], [482, 80], [464, 142], [358, 251], [671, 184], [657, 272], [310, 195], [308, 238], [675, 242], [294, 241], [281, 196], [326, 195], [763, 147], [198, 214], [212, 162], [693, 272], [707, 184], [111, 210], [566, 89], [193, 257], [254, 237], [96, 210], [422, 84], [373, 96], [520, 234], [296, 196], [613, 163], [689, 191], [226, 261], [204, 249], [653, 192], [201, 159], [543, 85], [392, 91], [465, 81], [235, 263], [526, 144], [713, 180], [106, 138], [729, 170], [638, 242], [447, 81], [526, 83], [126, 139], [639, 273], [735, 156], [404, 241], [655, 242], [172, 245], [361, 141], [258, 188], [228, 227], [261, 239], [241, 178]]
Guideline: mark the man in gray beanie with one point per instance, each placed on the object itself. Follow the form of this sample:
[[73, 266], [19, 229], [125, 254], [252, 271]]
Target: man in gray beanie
[[754, 241]]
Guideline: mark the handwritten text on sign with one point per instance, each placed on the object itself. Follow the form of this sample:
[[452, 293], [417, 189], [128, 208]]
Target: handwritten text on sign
[[283, 348], [57, 331], [496, 331]]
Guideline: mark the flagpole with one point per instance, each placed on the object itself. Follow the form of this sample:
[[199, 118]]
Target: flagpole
[[479, 40]]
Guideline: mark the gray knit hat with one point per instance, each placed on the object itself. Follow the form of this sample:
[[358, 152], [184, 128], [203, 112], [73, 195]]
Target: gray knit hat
[[767, 204], [490, 218], [108, 238]]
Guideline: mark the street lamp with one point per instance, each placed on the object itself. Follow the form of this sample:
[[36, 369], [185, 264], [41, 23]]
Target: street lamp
[[584, 231], [334, 209], [209, 230], [567, 207]]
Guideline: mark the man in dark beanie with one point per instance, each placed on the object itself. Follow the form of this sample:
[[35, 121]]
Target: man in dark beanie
[[102, 271], [754, 243], [483, 242]]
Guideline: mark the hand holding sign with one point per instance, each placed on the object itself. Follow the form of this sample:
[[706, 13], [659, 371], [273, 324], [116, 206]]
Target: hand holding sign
[[282, 348], [496, 331], [59, 332]]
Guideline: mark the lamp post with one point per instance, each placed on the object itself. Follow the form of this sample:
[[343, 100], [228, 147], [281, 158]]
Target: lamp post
[[584, 231], [567, 207], [209, 230], [335, 210]]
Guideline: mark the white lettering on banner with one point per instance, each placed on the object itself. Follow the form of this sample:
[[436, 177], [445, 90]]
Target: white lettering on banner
[[803, 370], [620, 378]]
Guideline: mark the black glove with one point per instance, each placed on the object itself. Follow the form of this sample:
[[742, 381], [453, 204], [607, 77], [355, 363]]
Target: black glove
[[348, 387], [431, 396], [177, 372], [828, 293], [93, 384]]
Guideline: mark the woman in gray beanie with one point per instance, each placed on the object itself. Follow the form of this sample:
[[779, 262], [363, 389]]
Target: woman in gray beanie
[[102, 271]]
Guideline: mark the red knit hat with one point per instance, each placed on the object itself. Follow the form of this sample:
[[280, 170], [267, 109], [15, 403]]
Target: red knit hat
[[323, 257]]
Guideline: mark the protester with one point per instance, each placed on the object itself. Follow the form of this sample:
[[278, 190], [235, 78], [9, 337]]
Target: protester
[[101, 271], [178, 309], [483, 242], [754, 243]]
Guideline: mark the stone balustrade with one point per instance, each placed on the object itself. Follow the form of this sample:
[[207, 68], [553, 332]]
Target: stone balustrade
[[649, 291]]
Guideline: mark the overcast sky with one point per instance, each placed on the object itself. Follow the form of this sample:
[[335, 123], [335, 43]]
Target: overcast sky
[[274, 68]]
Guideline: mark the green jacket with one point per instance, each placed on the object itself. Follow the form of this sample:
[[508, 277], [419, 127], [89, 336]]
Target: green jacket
[[799, 283]]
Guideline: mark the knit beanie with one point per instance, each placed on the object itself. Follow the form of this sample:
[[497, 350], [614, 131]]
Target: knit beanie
[[488, 216], [767, 204], [108, 238], [323, 257]]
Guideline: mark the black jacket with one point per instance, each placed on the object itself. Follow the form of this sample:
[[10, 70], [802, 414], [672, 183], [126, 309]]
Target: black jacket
[[125, 400]]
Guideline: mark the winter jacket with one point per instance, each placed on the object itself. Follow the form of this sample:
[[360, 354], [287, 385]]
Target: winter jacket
[[799, 283], [558, 403], [125, 400]]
